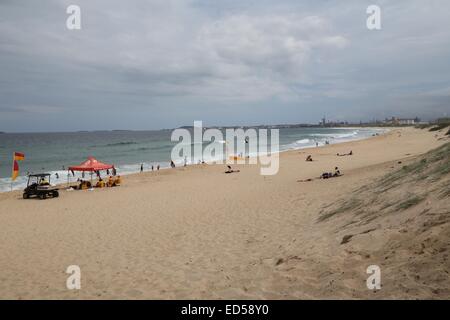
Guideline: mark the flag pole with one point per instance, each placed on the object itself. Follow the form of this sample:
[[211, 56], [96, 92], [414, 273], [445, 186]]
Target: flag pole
[[12, 172]]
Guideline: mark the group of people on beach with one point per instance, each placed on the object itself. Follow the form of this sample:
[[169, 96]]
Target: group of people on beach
[[172, 165], [327, 175], [111, 182], [152, 167]]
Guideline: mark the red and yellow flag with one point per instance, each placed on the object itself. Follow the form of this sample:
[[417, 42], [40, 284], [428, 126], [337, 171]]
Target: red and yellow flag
[[17, 157]]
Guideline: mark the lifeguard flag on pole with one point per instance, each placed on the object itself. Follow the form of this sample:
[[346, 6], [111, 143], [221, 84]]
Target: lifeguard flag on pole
[[17, 157]]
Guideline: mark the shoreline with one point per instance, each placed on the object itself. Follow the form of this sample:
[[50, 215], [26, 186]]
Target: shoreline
[[126, 174]]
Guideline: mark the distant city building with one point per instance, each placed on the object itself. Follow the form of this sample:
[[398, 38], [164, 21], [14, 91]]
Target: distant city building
[[402, 121]]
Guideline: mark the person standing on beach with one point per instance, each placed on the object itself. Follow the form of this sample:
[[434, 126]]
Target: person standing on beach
[[157, 167], [142, 167], [152, 167]]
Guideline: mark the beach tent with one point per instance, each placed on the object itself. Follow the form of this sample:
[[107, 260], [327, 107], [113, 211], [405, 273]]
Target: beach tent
[[92, 165]]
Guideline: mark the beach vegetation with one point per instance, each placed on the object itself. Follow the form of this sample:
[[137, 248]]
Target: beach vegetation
[[410, 202], [406, 187], [445, 191], [438, 127], [345, 206]]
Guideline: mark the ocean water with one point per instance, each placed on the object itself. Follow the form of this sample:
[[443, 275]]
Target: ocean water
[[54, 152]]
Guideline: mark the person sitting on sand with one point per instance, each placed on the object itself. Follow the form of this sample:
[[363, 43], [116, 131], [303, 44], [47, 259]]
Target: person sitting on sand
[[84, 185], [100, 183], [172, 164], [309, 158], [231, 170], [110, 181], [117, 182]]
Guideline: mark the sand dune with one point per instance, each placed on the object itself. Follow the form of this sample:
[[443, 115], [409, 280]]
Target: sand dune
[[198, 233]]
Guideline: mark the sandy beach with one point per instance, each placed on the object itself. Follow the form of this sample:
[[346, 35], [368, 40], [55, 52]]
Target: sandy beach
[[197, 233]]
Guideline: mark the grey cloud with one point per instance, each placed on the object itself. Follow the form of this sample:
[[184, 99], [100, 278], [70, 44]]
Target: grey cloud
[[170, 62]]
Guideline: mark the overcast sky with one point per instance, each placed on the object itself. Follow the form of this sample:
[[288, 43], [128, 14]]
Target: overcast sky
[[163, 63]]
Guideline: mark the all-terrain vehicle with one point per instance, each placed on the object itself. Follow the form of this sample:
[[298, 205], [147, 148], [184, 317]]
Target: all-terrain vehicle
[[39, 185]]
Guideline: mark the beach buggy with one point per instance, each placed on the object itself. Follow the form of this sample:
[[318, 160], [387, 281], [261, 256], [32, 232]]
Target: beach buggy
[[39, 185]]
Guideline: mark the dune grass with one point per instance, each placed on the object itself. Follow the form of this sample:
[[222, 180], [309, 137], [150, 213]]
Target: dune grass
[[410, 202], [426, 172]]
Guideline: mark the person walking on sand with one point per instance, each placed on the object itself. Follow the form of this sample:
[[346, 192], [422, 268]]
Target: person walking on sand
[[152, 168], [142, 167], [157, 167]]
